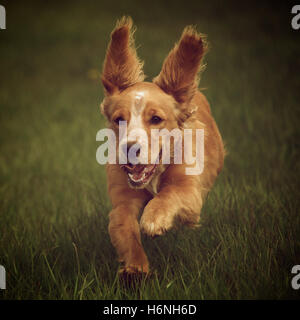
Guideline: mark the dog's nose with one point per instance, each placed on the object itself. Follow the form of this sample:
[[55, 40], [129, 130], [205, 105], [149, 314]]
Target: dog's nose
[[133, 146]]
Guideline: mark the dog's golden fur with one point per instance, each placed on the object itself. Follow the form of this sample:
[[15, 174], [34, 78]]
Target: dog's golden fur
[[174, 97]]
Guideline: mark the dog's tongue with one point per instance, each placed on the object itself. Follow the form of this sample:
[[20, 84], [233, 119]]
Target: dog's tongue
[[138, 170]]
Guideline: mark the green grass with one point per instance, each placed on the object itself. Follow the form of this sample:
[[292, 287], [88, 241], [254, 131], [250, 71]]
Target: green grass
[[54, 207]]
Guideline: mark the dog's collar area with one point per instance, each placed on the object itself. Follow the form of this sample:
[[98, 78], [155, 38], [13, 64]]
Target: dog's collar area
[[183, 116]]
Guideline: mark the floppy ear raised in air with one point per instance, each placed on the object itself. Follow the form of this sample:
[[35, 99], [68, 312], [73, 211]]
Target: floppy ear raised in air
[[179, 74], [122, 68]]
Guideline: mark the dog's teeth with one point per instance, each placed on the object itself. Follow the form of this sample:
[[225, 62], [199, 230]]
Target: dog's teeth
[[136, 180], [132, 177]]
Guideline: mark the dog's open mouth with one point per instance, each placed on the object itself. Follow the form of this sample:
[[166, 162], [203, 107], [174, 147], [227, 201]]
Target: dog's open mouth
[[139, 174]]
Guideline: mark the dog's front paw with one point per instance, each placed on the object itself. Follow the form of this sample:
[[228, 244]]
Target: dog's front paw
[[134, 269], [155, 220]]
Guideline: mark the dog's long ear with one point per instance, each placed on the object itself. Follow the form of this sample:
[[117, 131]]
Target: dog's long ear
[[122, 68], [179, 74]]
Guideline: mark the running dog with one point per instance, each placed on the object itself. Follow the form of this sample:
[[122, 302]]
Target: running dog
[[149, 197]]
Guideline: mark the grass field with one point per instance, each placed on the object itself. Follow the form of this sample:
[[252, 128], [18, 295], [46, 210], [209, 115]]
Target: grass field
[[54, 207]]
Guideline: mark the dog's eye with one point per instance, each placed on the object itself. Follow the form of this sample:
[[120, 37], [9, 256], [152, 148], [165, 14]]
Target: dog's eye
[[118, 119], [156, 120]]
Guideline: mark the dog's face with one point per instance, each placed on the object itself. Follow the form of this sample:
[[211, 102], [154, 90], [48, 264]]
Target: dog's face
[[143, 106]]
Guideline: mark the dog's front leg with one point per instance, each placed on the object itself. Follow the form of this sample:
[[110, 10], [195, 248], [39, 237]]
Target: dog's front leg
[[124, 232], [180, 199], [124, 229]]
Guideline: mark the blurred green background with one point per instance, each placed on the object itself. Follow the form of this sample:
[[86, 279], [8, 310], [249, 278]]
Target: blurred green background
[[54, 208]]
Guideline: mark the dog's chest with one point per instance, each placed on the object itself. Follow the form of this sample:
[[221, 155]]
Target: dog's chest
[[153, 185]]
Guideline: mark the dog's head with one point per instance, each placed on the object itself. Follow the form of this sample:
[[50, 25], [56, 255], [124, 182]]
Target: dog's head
[[142, 106]]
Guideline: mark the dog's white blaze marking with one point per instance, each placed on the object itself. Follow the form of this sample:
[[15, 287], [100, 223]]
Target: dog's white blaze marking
[[139, 103], [137, 108], [136, 124], [136, 131]]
